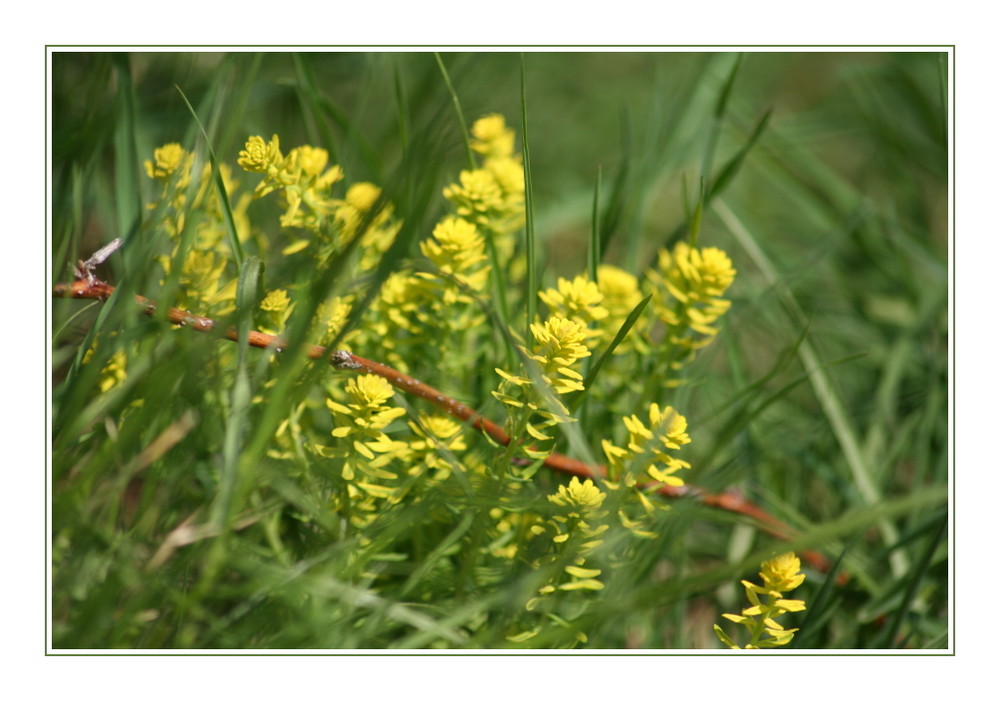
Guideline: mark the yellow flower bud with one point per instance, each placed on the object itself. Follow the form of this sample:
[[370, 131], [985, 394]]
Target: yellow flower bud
[[781, 573], [258, 157], [275, 301], [166, 160]]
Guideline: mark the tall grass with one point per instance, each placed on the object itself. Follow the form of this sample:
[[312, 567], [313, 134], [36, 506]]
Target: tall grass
[[825, 397]]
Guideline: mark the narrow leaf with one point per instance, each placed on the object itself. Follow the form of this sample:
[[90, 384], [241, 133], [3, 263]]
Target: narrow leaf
[[220, 190]]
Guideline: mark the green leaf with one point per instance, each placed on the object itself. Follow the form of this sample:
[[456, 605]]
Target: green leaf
[[220, 190], [531, 291], [626, 326]]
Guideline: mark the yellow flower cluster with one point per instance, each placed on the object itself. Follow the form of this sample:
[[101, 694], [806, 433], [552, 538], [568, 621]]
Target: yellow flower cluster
[[779, 574], [647, 448], [260, 157], [277, 306], [305, 179], [204, 282], [578, 496], [492, 196], [620, 292], [114, 371], [687, 288], [381, 229], [573, 536], [602, 307], [414, 308], [434, 436], [492, 138], [170, 159], [578, 299], [487, 202], [646, 456], [302, 176], [435, 313], [559, 344], [363, 444], [332, 316], [457, 249]]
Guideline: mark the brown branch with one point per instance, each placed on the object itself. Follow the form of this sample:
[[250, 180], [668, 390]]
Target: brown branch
[[731, 501]]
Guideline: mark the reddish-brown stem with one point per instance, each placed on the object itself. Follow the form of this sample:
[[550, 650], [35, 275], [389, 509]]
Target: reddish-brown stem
[[730, 501]]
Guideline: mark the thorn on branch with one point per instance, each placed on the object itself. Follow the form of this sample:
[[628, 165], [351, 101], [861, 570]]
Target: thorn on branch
[[342, 359], [84, 269]]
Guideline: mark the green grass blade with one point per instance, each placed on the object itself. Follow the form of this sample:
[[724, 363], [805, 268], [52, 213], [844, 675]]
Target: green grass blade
[[128, 199], [914, 580], [614, 211], [822, 607], [717, 116], [531, 292], [833, 408], [626, 326], [439, 552], [247, 296], [402, 109], [499, 274], [470, 157], [220, 190], [729, 170], [694, 228], [594, 248], [246, 72], [314, 106]]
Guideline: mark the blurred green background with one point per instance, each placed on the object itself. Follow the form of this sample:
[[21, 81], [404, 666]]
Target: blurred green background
[[836, 219]]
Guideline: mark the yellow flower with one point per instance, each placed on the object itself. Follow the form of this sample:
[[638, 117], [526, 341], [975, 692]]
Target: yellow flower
[[275, 301], [509, 175], [362, 196], [579, 299], [445, 429], [667, 431], [584, 496], [369, 393], [781, 573], [696, 279], [476, 197], [580, 502], [333, 315], [278, 308], [366, 449], [708, 272], [620, 290], [559, 343], [491, 137], [492, 196], [457, 248], [167, 160], [260, 157], [381, 228], [201, 276], [434, 433], [621, 295], [114, 372], [310, 159]]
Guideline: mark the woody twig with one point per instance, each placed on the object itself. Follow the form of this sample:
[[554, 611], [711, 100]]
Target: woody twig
[[87, 286]]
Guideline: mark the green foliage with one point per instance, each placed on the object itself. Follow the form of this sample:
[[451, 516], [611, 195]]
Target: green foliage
[[210, 495]]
